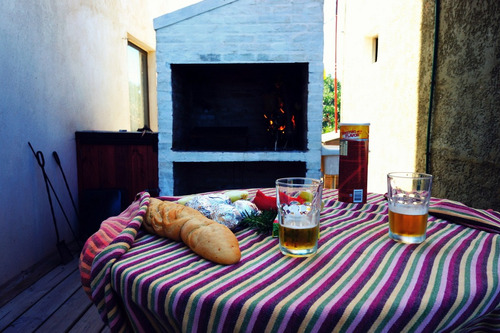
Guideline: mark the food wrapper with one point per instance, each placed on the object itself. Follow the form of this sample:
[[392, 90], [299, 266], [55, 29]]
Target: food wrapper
[[226, 214], [221, 209], [246, 208], [204, 203]]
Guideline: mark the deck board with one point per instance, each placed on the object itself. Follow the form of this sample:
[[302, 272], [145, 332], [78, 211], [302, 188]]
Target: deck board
[[54, 303], [68, 313], [33, 294], [45, 307], [89, 322]]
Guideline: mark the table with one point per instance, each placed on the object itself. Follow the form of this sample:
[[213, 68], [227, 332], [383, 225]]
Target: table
[[360, 280]]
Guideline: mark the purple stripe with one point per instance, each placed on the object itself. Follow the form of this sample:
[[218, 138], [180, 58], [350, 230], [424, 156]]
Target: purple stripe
[[412, 297], [368, 313], [201, 308], [331, 314], [448, 287], [273, 297], [314, 266], [478, 285], [234, 304], [204, 304], [291, 320]]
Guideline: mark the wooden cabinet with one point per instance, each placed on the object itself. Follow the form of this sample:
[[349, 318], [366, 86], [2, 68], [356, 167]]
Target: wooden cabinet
[[113, 166]]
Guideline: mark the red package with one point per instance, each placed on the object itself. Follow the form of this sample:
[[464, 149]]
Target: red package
[[265, 202]]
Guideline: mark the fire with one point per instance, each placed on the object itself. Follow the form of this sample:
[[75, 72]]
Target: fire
[[281, 121], [277, 125]]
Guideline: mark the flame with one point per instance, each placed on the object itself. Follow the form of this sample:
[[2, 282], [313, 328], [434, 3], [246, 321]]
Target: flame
[[275, 121]]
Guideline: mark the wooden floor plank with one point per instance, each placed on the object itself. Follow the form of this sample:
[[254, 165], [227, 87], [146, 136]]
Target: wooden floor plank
[[30, 296], [45, 307], [26, 278], [90, 322], [68, 313], [54, 303]]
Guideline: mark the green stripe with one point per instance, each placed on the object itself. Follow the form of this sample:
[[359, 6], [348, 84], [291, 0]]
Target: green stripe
[[407, 279], [263, 293], [224, 298], [466, 273], [330, 267], [444, 259], [489, 296], [376, 280], [339, 257], [353, 269]]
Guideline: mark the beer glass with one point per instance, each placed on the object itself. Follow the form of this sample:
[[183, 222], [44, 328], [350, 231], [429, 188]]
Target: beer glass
[[299, 208], [408, 198]]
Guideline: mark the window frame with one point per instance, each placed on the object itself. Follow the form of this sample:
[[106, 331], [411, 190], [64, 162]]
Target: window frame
[[144, 85]]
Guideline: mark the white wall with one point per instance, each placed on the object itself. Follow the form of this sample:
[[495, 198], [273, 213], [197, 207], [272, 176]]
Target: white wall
[[384, 93], [62, 69]]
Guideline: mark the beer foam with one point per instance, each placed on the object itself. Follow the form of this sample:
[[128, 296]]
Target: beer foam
[[415, 208], [299, 221]]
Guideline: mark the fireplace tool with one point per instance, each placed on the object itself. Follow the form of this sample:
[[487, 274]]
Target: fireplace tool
[[62, 248], [58, 161]]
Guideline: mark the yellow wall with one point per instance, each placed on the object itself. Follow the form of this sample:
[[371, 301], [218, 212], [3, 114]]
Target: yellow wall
[[383, 93]]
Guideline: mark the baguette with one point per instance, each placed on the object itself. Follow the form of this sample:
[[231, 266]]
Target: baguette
[[205, 237]]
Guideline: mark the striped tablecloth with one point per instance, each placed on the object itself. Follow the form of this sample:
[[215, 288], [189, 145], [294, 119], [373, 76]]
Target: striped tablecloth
[[359, 281]]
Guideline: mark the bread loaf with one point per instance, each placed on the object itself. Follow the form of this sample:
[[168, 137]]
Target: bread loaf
[[205, 237]]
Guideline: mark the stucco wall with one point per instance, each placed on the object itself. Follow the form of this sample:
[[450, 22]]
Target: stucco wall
[[63, 69], [465, 145]]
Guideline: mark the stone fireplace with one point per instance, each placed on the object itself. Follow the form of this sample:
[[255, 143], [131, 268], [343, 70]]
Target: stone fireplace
[[240, 88]]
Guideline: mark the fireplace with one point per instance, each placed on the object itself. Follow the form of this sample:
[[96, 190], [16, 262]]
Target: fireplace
[[239, 107], [240, 92]]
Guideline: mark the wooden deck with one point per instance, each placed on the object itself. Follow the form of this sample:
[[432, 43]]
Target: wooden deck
[[55, 302]]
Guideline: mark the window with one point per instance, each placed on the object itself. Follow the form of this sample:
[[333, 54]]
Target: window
[[375, 49], [138, 87]]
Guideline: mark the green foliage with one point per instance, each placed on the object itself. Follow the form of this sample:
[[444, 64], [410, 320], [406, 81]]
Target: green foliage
[[262, 223], [329, 104]]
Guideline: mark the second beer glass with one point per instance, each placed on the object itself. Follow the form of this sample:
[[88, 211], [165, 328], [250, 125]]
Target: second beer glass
[[408, 196]]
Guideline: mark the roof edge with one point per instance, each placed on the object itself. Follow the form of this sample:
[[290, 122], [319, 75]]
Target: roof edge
[[189, 12]]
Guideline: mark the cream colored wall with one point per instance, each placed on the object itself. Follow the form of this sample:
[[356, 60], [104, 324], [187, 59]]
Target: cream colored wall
[[383, 93], [63, 69]]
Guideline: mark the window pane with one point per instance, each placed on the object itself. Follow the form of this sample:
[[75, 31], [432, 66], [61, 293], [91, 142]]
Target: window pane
[[138, 87]]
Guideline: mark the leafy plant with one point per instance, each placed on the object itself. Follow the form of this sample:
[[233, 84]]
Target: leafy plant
[[262, 223], [329, 104]]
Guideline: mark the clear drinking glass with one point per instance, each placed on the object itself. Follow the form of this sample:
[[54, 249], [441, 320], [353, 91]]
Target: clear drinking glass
[[299, 208], [408, 195]]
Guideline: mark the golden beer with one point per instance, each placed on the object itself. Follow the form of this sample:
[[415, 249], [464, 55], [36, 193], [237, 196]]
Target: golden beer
[[408, 223], [408, 198], [298, 241]]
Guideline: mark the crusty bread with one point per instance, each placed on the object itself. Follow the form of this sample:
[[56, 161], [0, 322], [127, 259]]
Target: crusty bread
[[207, 238]]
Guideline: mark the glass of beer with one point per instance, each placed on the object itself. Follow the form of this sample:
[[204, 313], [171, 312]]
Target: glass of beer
[[299, 208], [408, 196]]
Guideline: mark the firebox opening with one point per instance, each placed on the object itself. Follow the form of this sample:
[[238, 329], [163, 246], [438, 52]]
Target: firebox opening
[[240, 107], [190, 178]]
